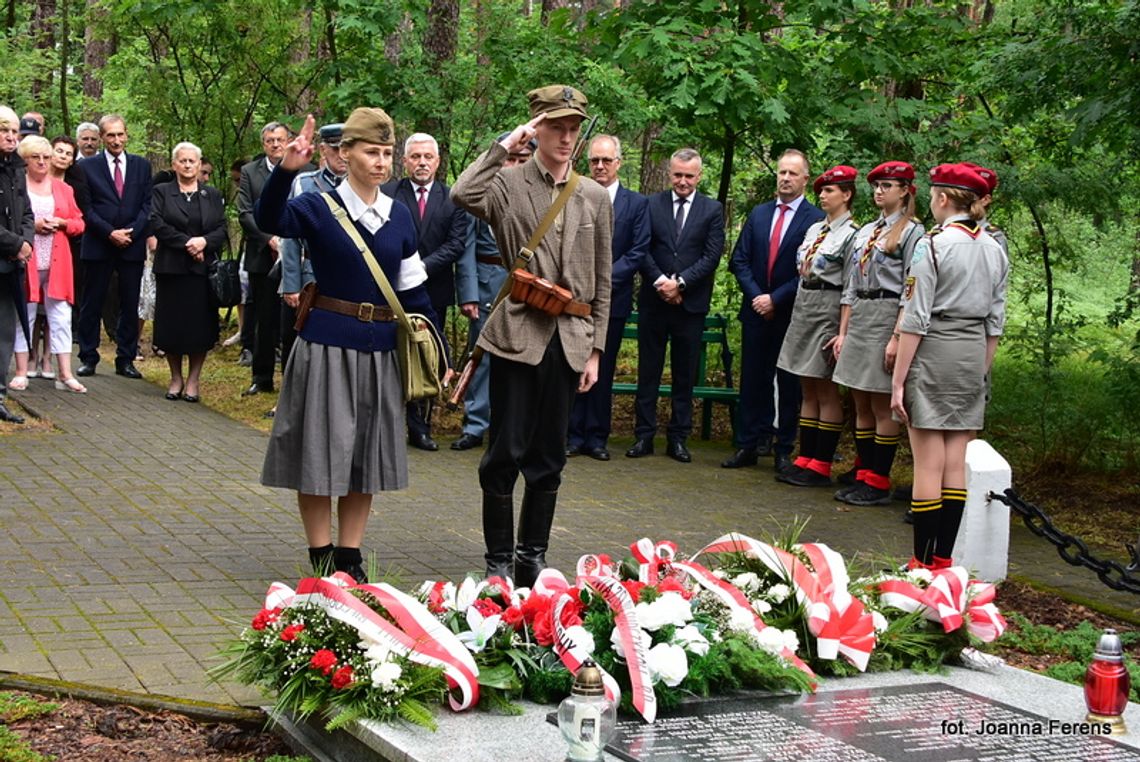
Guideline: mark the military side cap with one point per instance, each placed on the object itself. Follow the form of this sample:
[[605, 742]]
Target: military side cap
[[29, 126], [370, 125], [556, 101], [891, 170], [840, 173], [985, 173], [959, 176], [331, 134]]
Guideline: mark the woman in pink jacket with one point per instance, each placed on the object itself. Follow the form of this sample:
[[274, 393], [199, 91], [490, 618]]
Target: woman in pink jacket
[[49, 272]]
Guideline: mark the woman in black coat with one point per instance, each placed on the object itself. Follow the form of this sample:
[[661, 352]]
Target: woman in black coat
[[189, 222]]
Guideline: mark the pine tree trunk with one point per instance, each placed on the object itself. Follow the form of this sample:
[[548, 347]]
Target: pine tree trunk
[[98, 49], [43, 34], [439, 44]]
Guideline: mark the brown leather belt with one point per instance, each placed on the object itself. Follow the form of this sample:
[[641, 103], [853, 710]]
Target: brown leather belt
[[488, 259], [577, 309], [363, 311]]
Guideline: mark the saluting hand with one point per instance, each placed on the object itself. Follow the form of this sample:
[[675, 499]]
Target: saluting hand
[[300, 149], [522, 134]]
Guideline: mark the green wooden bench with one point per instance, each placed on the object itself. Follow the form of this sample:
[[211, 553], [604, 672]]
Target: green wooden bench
[[715, 334]]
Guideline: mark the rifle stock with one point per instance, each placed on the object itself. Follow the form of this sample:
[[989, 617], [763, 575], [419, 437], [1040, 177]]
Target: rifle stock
[[455, 401]]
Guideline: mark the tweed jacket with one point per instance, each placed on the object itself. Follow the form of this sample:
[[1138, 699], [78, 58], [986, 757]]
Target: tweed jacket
[[513, 201]]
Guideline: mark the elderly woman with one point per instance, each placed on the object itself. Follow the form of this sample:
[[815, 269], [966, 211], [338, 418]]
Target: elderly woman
[[48, 277], [339, 428], [189, 223]]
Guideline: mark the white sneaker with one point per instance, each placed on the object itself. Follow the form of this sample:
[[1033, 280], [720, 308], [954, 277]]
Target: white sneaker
[[232, 340]]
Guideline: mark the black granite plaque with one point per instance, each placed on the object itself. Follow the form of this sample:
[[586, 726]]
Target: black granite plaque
[[928, 722]]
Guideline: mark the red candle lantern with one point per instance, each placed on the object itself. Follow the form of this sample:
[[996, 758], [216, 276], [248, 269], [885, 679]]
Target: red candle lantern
[[1107, 683]]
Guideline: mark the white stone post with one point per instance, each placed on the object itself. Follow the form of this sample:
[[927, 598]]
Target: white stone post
[[983, 538]]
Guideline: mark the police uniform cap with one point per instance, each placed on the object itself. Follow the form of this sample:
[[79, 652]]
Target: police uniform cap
[[29, 126], [557, 101], [841, 173], [331, 134], [369, 125], [985, 173], [958, 176]]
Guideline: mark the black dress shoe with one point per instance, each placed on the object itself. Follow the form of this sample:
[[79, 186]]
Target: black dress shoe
[[191, 397], [805, 477], [85, 370], [422, 442], [7, 416], [786, 475], [598, 453], [908, 517], [127, 369], [573, 450], [746, 456], [678, 452], [467, 442], [256, 388], [640, 449], [764, 449], [867, 495], [174, 395], [783, 463]]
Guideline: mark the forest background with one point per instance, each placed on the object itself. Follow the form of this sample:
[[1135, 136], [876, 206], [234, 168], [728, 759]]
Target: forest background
[[1047, 92]]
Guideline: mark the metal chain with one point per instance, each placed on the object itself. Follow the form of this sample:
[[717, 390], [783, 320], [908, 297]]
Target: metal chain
[[1073, 549]]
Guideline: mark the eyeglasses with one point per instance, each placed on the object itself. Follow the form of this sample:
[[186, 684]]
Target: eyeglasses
[[602, 160], [885, 185]]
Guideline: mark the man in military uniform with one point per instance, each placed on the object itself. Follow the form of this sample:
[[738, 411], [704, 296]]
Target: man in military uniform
[[538, 360]]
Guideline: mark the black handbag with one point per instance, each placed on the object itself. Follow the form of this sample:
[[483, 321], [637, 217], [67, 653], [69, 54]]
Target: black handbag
[[225, 282]]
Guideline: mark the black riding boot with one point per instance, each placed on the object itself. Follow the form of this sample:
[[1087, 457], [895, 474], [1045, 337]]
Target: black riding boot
[[534, 535], [498, 533]]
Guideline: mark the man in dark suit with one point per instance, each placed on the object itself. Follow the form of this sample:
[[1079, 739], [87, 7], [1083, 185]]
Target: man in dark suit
[[764, 263], [441, 228], [260, 254], [591, 415], [686, 242], [17, 233], [117, 218]]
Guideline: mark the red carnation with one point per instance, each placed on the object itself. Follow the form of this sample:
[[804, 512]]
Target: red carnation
[[342, 678], [536, 605], [513, 616], [435, 597], [323, 660], [290, 633], [671, 585], [572, 612], [544, 629], [633, 587], [265, 617], [487, 607]]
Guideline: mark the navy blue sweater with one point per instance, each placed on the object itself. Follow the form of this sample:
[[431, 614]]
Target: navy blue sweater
[[339, 268]]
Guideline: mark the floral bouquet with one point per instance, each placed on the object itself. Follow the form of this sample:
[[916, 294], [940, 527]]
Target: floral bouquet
[[740, 613]]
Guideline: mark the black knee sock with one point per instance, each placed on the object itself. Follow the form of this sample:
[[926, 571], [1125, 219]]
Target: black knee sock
[[950, 518], [926, 519], [864, 449], [809, 432], [885, 447], [344, 558], [826, 440]]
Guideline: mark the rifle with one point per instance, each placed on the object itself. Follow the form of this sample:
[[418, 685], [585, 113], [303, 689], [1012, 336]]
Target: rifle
[[475, 356]]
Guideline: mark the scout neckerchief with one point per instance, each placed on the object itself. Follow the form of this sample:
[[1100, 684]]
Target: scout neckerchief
[[805, 266], [866, 255]]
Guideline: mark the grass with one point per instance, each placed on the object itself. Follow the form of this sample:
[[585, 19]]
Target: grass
[[14, 708]]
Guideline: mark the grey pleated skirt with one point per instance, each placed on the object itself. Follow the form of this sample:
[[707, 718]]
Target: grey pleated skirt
[[860, 363], [339, 426], [815, 321], [946, 388]]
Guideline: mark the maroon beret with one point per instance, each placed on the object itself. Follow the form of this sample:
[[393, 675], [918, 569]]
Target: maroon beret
[[837, 174], [891, 170], [985, 173], [959, 176]]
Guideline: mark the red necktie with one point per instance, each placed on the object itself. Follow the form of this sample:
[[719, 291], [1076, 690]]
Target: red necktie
[[774, 241], [423, 201], [118, 178]]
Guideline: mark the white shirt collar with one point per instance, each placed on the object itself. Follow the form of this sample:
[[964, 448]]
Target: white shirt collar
[[269, 164], [689, 198], [416, 188], [612, 189], [372, 216], [111, 163], [793, 205]]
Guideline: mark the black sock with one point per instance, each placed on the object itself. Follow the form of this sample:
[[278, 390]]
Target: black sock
[[345, 558], [864, 449], [884, 454], [953, 502], [809, 433], [926, 519], [826, 440], [321, 559]]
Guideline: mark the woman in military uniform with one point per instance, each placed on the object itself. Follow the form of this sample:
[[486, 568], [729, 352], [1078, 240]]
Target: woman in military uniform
[[865, 348], [953, 314], [823, 261]]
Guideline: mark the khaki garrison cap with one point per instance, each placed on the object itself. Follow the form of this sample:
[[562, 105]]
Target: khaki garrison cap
[[556, 101], [369, 125]]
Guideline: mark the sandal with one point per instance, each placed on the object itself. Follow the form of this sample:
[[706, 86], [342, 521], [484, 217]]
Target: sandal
[[18, 383], [33, 373], [47, 374], [71, 385]]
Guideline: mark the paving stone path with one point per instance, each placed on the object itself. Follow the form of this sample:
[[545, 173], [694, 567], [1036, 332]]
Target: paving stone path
[[136, 538]]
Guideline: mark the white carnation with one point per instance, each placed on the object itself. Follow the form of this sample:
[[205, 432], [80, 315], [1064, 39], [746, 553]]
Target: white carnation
[[879, 621], [790, 641], [740, 620], [770, 639], [615, 640], [691, 639], [761, 606], [580, 635], [920, 576], [748, 582], [670, 608], [779, 593], [385, 676], [668, 664]]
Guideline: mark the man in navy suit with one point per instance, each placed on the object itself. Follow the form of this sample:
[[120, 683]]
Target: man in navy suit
[[591, 415], [441, 228], [764, 263], [117, 218], [686, 243]]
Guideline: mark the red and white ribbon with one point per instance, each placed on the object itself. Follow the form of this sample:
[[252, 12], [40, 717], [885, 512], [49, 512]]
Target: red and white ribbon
[[621, 603], [573, 654], [417, 635], [595, 566], [652, 556], [951, 600]]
